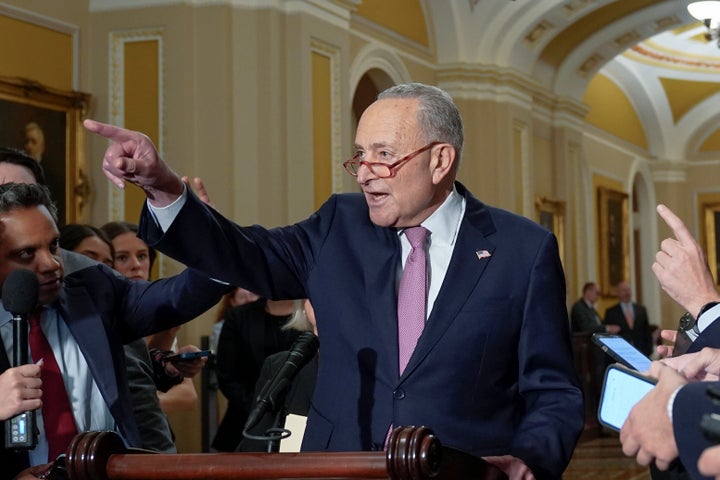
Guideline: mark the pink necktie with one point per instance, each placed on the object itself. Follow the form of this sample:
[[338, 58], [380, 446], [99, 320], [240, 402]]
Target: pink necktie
[[412, 296], [58, 420]]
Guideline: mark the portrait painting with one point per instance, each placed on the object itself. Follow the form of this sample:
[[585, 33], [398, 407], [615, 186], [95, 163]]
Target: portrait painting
[[45, 124], [614, 240], [551, 215]]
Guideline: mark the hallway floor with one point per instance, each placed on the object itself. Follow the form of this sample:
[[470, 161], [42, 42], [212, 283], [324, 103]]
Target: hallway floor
[[601, 458]]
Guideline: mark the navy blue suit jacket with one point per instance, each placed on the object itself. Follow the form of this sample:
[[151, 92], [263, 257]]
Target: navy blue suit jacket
[[103, 312], [493, 371]]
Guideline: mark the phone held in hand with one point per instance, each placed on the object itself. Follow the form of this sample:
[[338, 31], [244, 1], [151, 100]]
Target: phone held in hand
[[622, 389], [622, 351], [187, 355]]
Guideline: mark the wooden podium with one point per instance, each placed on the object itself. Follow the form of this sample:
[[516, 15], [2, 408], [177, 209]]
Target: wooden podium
[[413, 453]]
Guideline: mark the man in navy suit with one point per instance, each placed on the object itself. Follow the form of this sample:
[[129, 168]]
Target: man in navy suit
[[492, 372], [86, 316]]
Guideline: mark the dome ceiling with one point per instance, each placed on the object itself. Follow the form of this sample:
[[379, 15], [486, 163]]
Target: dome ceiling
[[652, 50]]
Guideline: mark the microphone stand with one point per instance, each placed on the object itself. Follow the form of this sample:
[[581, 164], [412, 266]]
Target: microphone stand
[[277, 432]]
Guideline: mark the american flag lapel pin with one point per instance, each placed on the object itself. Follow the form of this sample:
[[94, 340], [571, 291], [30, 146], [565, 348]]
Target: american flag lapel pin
[[481, 254]]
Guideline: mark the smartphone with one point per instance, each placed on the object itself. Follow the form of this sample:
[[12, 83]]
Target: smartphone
[[622, 389], [622, 351], [188, 355]]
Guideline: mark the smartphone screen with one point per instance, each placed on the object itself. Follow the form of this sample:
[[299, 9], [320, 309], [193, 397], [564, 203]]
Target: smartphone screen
[[622, 389], [188, 355], [622, 351]]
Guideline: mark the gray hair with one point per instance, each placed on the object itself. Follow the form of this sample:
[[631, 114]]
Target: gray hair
[[23, 195], [438, 116], [298, 320]]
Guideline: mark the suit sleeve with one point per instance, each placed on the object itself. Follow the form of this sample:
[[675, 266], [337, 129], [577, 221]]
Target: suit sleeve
[[548, 381], [271, 263], [690, 404]]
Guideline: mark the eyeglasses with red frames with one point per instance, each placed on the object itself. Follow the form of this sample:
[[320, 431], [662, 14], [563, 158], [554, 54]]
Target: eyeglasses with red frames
[[383, 170]]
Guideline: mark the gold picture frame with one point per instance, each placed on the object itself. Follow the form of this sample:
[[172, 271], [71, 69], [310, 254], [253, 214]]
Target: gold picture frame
[[46, 123], [711, 224], [551, 215], [614, 239]]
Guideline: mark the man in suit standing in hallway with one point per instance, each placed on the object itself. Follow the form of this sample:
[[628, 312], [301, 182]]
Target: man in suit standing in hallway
[[583, 315], [632, 319], [432, 308]]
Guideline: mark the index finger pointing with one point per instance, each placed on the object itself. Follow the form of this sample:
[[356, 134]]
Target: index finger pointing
[[111, 132], [682, 234]]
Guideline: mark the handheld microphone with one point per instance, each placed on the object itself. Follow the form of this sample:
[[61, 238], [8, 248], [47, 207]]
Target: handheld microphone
[[273, 393], [20, 297]]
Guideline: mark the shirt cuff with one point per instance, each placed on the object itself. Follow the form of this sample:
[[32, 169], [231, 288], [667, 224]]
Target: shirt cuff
[[708, 317], [671, 402], [164, 216]]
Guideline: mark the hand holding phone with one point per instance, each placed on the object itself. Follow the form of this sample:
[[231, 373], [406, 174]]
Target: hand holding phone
[[622, 389], [186, 356], [622, 351]]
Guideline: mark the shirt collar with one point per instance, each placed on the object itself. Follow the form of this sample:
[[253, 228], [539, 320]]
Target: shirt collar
[[444, 223], [5, 316]]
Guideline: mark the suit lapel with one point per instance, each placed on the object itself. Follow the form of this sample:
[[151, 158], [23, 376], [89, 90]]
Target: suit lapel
[[380, 269], [471, 256], [78, 312]]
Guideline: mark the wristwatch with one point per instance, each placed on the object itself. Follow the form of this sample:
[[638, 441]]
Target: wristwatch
[[688, 322]]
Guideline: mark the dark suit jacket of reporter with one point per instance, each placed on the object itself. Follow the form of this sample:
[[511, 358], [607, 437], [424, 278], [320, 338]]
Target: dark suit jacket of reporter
[[640, 334], [152, 423], [103, 312], [493, 371]]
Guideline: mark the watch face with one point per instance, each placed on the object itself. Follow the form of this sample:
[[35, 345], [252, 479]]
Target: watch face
[[687, 322]]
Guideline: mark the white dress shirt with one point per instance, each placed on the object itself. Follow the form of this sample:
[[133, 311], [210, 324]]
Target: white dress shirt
[[89, 408]]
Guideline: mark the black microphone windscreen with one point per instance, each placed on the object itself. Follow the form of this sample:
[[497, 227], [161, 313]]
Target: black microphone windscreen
[[20, 291]]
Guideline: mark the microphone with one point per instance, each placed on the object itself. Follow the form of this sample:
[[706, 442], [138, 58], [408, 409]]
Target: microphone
[[20, 297], [301, 352]]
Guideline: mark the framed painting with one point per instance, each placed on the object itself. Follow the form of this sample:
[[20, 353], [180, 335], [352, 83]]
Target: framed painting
[[46, 124], [711, 223], [551, 215], [614, 239]]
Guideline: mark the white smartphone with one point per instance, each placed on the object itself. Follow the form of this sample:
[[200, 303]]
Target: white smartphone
[[622, 351], [622, 389]]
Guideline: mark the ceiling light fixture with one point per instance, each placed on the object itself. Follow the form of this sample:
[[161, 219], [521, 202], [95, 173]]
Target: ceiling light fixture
[[708, 12]]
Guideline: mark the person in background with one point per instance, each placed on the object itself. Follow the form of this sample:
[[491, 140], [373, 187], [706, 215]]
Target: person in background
[[152, 423], [300, 391], [584, 318], [583, 315], [632, 319], [236, 298], [134, 260], [81, 328], [249, 334], [488, 328], [90, 242]]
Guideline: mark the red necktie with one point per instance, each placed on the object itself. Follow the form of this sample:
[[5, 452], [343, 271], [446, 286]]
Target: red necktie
[[57, 413], [412, 296]]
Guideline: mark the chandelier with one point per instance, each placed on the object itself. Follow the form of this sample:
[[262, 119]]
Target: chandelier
[[708, 12]]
